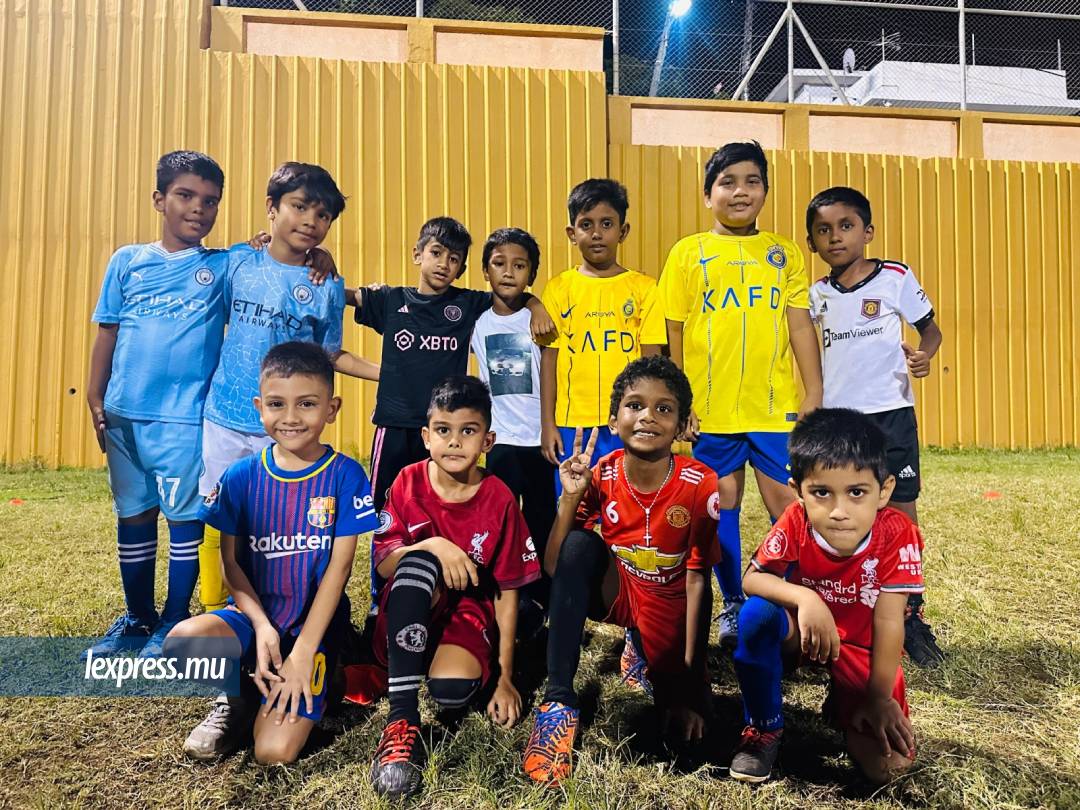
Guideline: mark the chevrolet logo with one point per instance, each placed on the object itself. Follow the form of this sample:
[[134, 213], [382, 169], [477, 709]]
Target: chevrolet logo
[[647, 559]]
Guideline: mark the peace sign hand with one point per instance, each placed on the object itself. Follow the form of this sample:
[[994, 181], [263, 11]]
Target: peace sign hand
[[574, 472]]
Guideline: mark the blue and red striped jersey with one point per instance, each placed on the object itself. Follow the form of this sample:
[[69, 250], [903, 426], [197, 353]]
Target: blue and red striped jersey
[[285, 523]]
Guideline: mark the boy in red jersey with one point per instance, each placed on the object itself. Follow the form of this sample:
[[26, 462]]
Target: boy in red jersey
[[455, 549], [829, 585], [656, 513]]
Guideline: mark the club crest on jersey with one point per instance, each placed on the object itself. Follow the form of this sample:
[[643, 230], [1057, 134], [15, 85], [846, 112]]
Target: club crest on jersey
[[302, 293], [452, 313], [677, 516], [628, 308], [713, 505], [871, 308], [320, 512], [386, 520], [775, 544], [647, 559], [476, 547], [204, 276], [776, 257], [211, 499]]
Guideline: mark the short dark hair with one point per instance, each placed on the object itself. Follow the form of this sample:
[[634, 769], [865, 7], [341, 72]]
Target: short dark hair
[[839, 195], [315, 181], [513, 236], [298, 357], [655, 367], [458, 392], [836, 437], [590, 193], [449, 233], [173, 164], [732, 153]]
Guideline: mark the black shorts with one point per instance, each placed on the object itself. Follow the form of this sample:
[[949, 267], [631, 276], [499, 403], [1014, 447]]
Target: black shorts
[[902, 447], [393, 449]]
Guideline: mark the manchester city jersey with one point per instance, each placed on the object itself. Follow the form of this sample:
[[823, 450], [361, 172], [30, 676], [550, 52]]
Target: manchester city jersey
[[285, 524], [171, 314], [268, 303]]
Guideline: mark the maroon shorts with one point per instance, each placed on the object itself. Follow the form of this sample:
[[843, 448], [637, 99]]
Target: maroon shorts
[[456, 618], [850, 677]]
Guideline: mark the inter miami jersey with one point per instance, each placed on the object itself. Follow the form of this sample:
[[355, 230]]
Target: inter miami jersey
[[488, 527], [268, 303], [889, 560], [285, 524], [171, 312], [861, 328], [682, 523], [425, 338]]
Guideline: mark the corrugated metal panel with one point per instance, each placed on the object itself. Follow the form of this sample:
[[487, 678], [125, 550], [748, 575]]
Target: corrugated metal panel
[[96, 90], [994, 243]]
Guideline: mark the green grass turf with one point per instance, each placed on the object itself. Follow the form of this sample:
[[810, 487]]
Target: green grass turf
[[997, 725]]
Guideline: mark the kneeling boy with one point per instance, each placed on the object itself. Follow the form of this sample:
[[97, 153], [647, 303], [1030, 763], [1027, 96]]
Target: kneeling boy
[[289, 516], [829, 585], [657, 515], [455, 549]]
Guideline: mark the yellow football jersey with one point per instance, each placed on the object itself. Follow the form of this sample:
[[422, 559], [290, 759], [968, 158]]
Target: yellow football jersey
[[731, 294], [602, 323]]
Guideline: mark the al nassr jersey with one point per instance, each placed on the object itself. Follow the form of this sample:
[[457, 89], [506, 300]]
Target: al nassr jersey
[[285, 524], [888, 560], [682, 522], [602, 324], [731, 293], [861, 329], [489, 527]]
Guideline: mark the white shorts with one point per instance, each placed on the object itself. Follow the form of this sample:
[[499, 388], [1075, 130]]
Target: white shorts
[[221, 446]]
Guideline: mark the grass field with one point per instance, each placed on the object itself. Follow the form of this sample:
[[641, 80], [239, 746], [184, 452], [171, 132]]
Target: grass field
[[997, 724]]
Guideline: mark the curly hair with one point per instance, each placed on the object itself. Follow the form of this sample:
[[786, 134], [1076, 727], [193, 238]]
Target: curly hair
[[656, 367]]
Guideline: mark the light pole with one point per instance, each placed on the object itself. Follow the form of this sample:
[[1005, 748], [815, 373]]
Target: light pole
[[677, 9]]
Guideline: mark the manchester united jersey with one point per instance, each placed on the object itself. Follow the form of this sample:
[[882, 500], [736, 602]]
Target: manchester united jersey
[[488, 527], [681, 526], [889, 560]]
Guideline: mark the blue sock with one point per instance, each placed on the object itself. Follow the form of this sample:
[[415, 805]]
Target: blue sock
[[729, 570], [184, 540], [136, 546], [758, 665]]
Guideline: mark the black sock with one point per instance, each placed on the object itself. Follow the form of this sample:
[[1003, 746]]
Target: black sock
[[408, 613], [583, 559]]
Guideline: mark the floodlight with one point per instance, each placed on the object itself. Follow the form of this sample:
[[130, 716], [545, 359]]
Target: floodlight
[[678, 8]]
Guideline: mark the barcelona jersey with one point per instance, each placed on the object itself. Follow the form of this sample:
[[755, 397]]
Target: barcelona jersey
[[731, 293], [285, 524]]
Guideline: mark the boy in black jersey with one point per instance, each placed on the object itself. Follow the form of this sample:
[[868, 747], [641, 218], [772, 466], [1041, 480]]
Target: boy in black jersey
[[426, 331]]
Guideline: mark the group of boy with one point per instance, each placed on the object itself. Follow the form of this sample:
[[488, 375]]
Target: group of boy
[[576, 402]]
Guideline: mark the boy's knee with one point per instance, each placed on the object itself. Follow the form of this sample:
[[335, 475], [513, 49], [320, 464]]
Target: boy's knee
[[760, 622], [453, 693], [276, 749], [417, 569], [581, 551], [882, 770], [189, 628]]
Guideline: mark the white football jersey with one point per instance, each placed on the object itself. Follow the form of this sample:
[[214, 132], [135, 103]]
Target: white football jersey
[[862, 363]]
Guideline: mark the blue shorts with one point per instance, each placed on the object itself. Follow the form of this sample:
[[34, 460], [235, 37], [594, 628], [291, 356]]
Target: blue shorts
[[325, 656], [606, 441], [154, 464], [725, 453]]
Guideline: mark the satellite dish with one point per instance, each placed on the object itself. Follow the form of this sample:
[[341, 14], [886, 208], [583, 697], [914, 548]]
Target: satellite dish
[[849, 61]]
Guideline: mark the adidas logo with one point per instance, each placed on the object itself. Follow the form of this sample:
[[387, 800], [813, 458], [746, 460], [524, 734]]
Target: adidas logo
[[907, 472], [404, 308]]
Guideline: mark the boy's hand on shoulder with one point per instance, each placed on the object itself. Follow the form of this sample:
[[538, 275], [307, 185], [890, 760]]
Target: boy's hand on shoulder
[[295, 686], [882, 718], [541, 326], [320, 266], [692, 430], [259, 240], [817, 629], [267, 658], [458, 569], [918, 362], [575, 473], [97, 418], [683, 724], [504, 708]]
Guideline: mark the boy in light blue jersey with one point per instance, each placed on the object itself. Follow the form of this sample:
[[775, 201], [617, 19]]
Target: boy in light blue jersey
[[160, 316], [269, 301]]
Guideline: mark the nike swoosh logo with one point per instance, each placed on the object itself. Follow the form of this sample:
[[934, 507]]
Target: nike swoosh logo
[[567, 313], [414, 526], [704, 260]]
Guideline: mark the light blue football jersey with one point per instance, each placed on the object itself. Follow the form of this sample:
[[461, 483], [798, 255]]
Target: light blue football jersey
[[267, 303], [171, 312]]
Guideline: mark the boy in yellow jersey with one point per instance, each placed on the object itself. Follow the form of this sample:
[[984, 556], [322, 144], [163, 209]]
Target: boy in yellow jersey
[[737, 309]]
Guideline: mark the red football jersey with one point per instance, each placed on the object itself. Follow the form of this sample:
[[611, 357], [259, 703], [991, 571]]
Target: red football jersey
[[682, 522], [889, 560], [489, 527]]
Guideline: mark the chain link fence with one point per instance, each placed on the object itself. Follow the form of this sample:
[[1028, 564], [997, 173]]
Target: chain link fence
[[1019, 55]]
